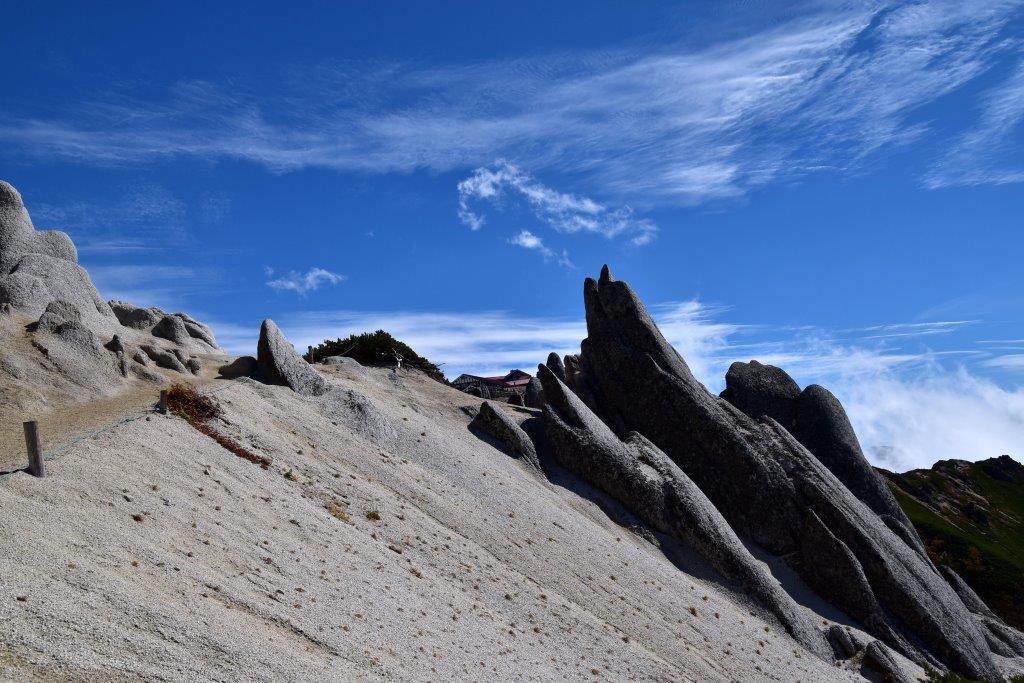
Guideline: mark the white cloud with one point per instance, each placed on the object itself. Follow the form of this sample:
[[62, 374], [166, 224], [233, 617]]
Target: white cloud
[[1009, 361], [907, 423], [527, 240], [303, 283], [669, 123], [565, 213], [167, 286], [978, 156]]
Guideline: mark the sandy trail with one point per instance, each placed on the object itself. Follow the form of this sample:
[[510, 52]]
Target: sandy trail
[[69, 417]]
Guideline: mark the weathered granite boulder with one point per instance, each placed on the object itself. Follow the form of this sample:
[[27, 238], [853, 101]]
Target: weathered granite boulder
[[73, 349], [758, 390], [57, 313], [198, 330], [765, 482], [818, 421], [180, 328], [533, 397], [878, 657], [556, 365], [830, 568], [40, 277], [37, 267], [115, 345], [171, 327], [508, 435], [641, 477], [279, 363], [515, 400], [135, 317], [647, 387], [843, 645], [243, 366], [164, 358], [822, 426], [1003, 639]]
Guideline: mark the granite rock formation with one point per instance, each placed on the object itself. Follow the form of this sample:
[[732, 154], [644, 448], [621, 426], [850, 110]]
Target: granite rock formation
[[506, 433], [279, 363], [533, 397], [79, 337], [38, 267], [818, 421], [639, 475], [768, 462]]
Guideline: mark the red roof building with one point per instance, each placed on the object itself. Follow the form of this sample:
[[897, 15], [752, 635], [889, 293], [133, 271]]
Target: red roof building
[[515, 380]]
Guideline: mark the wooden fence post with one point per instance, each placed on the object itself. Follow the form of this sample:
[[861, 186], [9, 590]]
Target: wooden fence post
[[311, 359], [163, 401], [35, 453]]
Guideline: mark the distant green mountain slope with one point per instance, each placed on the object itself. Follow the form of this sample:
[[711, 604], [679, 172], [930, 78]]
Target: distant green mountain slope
[[971, 518]]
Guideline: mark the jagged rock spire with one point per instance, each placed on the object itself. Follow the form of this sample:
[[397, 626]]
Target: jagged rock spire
[[770, 487]]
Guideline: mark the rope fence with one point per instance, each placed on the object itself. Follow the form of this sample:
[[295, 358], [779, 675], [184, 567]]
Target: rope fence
[[35, 464]]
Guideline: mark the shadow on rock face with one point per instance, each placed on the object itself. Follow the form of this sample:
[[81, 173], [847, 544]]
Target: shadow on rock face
[[705, 470]]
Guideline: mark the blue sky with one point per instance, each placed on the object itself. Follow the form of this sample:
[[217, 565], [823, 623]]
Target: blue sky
[[833, 187]]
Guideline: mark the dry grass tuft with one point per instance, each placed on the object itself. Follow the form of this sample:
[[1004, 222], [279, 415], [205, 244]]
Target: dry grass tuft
[[196, 409], [338, 512], [190, 405]]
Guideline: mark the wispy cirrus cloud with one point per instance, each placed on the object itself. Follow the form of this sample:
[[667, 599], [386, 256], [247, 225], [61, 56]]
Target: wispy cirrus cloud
[[164, 286], [981, 155], [527, 240], [142, 218], [303, 283], [663, 123], [1008, 361]]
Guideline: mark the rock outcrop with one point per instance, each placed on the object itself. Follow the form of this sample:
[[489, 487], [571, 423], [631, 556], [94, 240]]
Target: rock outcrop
[[556, 365], [533, 397], [506, 434], [640, 476], [818, 421], [877, 657], [243, 366], [135, 317], [39, 267], [758, 390], [71, 347], [171, 328], [768, 485], [1002, 638], [178, 328], [279, 363], [164, 358], [80, 338]]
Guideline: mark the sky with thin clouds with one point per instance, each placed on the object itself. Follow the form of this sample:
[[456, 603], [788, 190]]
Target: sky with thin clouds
[[832, 187]]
